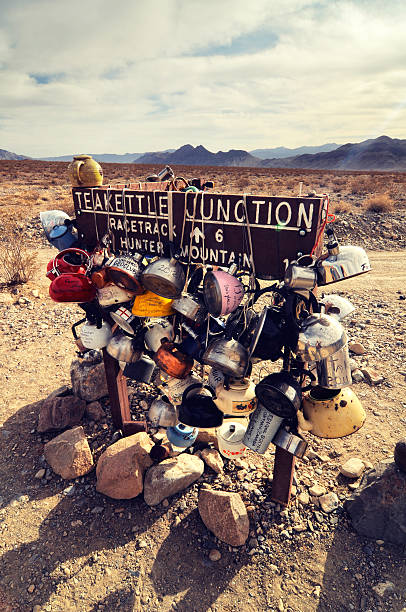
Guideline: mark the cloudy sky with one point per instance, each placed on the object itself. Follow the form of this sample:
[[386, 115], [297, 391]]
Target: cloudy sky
[[132, 76]]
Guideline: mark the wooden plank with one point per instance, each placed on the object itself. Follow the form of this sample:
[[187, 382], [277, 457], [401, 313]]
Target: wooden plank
[[283, 471], [117, 387]]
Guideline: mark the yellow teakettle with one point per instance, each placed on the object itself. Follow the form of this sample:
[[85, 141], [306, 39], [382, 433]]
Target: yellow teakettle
[[331, 413], [152, 305], [84, 171]]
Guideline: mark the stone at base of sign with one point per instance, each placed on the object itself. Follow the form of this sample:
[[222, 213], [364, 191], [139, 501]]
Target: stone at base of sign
[[69, 454], [225, 515], [170, 476], [88, 380], [120, 469]]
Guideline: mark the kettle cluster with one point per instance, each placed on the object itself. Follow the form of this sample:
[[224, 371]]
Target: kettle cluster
[[204, 329]]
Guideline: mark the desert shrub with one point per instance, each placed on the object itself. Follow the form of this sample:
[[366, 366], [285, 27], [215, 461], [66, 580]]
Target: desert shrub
[[360, 185], [17, 263], [379, 203], [340, 207]]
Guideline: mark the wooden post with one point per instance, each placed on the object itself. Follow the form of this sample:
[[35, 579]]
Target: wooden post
[[284, 468], [118, 394]]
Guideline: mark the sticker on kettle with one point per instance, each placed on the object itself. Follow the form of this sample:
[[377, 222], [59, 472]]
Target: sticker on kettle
[[245, 406]]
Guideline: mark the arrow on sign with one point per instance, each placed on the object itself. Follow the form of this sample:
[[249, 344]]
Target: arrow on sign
[[197, 234]]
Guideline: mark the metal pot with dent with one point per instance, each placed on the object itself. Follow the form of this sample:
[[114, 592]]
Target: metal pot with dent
[[123, 348], [172, 360], [162, 413], [125, 271], [165, 277], [228, 355]]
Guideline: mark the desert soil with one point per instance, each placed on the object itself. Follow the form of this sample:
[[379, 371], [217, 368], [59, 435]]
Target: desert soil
[[66, 547]]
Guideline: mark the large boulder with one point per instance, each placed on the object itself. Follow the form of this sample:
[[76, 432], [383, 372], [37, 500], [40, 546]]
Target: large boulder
[[69, 454], [59, 412], [377, 507], [120, 469], [88, 380], [225, 515], [170, 476]]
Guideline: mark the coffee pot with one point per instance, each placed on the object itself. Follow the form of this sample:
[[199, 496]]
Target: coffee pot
[[341, 262], [320, 336]]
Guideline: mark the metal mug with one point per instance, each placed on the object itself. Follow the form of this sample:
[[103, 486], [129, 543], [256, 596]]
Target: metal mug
[[300, 277], [292, 442], [261, 429], [334, 372]]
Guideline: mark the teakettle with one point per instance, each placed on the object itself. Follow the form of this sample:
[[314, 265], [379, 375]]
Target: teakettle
[[165, 277], [237, 398], [227, 355]]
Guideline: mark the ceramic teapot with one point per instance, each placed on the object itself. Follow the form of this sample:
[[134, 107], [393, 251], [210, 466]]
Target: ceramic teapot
[[84, 171]]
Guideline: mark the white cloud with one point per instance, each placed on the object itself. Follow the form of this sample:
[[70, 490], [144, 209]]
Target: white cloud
[[138, 76]]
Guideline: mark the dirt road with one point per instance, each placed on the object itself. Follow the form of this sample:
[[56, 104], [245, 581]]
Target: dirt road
[[73, 549]]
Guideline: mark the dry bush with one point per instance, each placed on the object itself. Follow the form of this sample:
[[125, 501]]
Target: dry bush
[[17, 263], [340, 207], [379, 203], [360, 185]]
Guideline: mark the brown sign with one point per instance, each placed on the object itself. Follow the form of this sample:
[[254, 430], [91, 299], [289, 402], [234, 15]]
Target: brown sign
[[207, 227]]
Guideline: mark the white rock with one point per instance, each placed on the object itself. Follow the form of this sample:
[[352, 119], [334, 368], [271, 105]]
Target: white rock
[[170, 476], [352, 468]]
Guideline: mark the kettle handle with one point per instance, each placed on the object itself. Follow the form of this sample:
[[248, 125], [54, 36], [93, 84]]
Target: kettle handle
[[197, 386], [75, 325]]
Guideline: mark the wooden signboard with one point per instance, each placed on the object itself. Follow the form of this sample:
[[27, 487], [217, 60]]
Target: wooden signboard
[[208, 228]]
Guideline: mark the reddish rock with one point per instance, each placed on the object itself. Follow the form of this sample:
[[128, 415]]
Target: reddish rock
[[95, 411], [88, 380], [225, 515], [121, 467], [69, 454], [60, 412]]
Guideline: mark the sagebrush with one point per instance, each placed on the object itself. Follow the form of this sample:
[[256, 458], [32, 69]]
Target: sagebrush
[[17, 262]]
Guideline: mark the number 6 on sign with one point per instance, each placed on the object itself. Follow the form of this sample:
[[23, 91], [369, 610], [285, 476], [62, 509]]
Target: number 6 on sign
[[219, 235]]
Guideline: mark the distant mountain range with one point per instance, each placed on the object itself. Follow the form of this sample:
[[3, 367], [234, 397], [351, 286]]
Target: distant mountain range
[[8, 155], [381, 153], [199, 156], [282, 152]]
